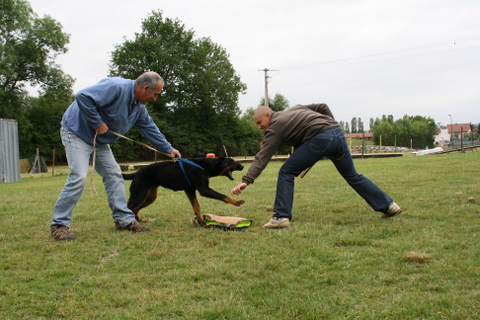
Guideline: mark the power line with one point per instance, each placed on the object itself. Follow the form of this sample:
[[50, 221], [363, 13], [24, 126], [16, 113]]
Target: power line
[[436, 44]]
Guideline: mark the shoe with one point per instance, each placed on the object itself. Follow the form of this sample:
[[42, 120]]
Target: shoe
[[393, 210], [134, 226], [277, 223], [62, 233]]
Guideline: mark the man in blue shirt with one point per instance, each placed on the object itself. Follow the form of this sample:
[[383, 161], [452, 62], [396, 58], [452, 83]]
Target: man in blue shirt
[[114, 104]]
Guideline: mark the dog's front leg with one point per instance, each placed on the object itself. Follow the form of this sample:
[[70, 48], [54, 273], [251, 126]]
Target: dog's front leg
[[232, 201], [196, 207], [210, 193]]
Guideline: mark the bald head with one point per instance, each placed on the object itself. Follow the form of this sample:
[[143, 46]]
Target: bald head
[[262, 111], [262, 117]]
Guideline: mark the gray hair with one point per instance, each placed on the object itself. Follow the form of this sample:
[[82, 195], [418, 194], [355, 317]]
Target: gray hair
[[150, 79]]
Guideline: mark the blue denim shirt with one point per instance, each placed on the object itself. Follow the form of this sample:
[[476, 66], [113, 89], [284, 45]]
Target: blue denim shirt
[[111, 101]]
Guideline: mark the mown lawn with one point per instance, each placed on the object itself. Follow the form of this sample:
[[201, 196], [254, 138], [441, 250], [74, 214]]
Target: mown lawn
[[339, 260]]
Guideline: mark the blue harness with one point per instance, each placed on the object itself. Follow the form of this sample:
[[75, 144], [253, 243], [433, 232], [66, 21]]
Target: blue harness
[[181, 161]]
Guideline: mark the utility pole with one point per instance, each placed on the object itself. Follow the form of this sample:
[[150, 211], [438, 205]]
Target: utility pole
[[266, 84]]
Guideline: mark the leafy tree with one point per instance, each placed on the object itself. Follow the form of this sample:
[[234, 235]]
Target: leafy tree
[[198, 109], [28, 48], [44, 115], [347, 128], [278, 103], [342, 125], [360, 126], [248, 114], [354, 124], [415, 131]]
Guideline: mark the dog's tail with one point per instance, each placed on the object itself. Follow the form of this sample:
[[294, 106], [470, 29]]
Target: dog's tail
[[128, 176]]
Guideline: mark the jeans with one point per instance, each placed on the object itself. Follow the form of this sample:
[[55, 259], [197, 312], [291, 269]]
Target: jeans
[[330, 143], [78, 154]]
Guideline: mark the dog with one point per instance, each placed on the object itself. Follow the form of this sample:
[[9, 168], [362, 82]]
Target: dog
[[170, 175]]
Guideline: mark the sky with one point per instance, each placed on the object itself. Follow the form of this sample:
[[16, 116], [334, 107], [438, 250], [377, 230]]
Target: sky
[[364, 58]]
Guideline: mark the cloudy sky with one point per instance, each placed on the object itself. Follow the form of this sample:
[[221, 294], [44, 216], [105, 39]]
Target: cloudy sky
[[364, 58]]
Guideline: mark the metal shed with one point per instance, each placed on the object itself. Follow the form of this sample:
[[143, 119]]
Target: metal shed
[[9, 151]]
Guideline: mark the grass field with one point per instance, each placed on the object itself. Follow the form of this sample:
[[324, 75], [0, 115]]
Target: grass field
[[339, 260]]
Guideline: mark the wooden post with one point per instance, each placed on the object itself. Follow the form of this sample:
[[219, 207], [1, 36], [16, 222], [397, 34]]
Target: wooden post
[[363, 145], [461, 138], [53, 162]]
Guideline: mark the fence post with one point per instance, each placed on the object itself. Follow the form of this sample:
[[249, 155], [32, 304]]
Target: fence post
[[363, 145], [53, 162], [461, 138]]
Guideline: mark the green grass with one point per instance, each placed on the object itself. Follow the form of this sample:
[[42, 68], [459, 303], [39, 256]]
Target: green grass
[[339, 260]]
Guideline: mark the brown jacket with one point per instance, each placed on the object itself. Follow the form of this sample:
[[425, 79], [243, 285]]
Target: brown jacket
[[291, 127]]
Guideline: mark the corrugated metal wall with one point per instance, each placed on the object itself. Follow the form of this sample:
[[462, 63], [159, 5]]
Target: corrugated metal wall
[[9, 151]]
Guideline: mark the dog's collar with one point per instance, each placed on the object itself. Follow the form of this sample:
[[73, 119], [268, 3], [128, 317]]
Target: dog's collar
[[181, 161]]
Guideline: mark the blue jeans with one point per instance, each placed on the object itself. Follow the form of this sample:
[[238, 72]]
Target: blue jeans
[[78, 154], [330, 143]]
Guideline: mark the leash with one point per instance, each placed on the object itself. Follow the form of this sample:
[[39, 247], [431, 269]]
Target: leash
[[305, 172], [94, 142], [92, 183], [181, 161], [137, 142]]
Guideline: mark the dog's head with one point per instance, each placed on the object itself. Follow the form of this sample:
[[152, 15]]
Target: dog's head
[[229, 165]]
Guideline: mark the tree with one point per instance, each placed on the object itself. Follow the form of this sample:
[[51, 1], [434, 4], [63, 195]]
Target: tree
[[360, 126], [347, 128], [354, 127], [44, 115], [29, 46], [415, 131], [198, 110], [248, 114], [278, 103]]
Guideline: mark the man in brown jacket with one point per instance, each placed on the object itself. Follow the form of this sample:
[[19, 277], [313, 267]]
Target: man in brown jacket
[[315, 134]]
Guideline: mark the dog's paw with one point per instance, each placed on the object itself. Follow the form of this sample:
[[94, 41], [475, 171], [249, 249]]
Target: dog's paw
[[239, 203], [195, 222]]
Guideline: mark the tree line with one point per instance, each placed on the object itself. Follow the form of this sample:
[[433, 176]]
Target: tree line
[[409, 131], [197, 111]]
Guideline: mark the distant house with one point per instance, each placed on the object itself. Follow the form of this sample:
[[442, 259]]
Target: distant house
[[459, 128], [359, 135], [442, 138], [453, 133]]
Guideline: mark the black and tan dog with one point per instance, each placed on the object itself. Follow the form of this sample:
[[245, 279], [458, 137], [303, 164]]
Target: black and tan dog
[[170, 175]]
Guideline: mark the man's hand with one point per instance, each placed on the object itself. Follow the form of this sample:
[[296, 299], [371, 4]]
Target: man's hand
[[239, 188], [102, 129], [175, 155]]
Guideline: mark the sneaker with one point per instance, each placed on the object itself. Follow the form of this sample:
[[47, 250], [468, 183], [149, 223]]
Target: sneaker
[[62, 233], [134, 226], [393, 210], [277, 223]]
